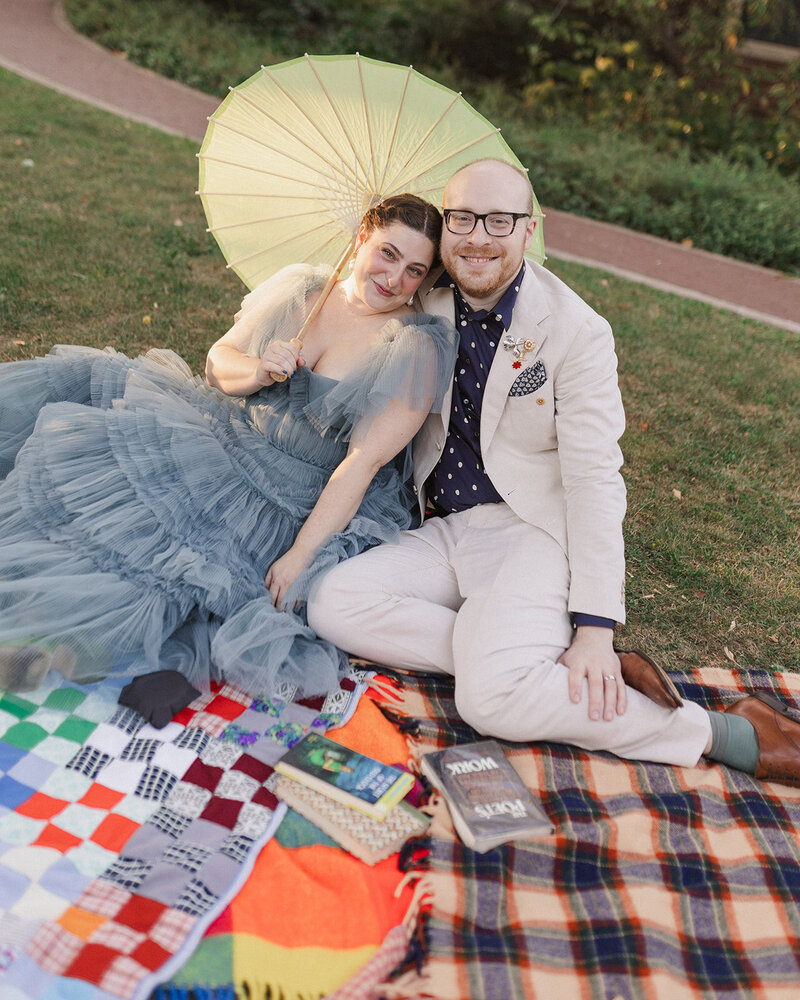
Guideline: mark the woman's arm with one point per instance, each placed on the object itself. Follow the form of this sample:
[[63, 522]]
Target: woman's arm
[[276, 307], [387, 435], [230, 369]]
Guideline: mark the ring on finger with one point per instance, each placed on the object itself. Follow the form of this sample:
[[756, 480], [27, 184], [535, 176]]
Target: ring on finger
[[610, 677]]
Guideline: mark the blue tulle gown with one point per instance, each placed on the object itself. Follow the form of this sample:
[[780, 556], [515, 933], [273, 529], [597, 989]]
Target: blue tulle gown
[[141, 509]]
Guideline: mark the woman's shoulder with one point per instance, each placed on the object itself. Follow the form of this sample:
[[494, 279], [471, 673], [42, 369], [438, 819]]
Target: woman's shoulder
[[292, 283]]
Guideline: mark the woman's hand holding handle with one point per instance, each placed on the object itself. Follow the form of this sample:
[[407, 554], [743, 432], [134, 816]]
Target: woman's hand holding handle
[[280, 360]]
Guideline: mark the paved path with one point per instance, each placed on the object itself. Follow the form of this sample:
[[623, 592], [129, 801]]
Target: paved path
[[37, 42]]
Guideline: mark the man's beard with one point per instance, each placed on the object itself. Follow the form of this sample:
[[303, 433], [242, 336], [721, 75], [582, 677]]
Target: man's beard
[[482, 284]]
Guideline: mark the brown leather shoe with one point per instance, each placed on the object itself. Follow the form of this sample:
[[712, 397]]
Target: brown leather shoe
[[645, 676], [778, 736]]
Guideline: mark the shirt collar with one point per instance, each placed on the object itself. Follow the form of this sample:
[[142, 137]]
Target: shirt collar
[[502, 311]]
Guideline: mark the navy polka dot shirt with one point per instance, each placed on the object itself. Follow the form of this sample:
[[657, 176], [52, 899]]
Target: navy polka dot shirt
[[459, 480]]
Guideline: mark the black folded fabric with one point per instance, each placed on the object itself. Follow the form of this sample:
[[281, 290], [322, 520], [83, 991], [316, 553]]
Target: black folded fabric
[[158, 696]]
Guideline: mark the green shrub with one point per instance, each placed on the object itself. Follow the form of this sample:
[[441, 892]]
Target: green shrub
[[672, 71], [747, 212]]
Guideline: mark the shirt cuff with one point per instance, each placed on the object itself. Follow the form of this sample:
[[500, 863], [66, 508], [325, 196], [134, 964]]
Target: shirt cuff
[[578, 618]]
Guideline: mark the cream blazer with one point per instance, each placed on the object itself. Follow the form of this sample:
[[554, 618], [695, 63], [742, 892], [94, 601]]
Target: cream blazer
[[551, 451]]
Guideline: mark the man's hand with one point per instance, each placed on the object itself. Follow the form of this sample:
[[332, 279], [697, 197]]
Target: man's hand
[[591, 657]]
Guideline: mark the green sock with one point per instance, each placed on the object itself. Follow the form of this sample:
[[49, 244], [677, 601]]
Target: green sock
[[733, 742]]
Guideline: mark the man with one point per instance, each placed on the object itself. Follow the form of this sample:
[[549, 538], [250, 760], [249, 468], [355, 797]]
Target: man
[[515, 583]]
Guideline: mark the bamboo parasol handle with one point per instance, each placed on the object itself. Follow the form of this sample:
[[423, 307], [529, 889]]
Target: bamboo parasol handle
[[298, 340]]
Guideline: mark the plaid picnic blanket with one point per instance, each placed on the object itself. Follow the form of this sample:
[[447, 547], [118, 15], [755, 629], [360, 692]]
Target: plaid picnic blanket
[[120, 842], [661, 883]]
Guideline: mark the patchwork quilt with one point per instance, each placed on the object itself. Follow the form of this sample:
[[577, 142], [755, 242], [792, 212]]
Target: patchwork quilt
[[119, 842]]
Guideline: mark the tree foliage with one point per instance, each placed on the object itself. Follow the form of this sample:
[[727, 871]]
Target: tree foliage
[[673, 70], [670, 69]]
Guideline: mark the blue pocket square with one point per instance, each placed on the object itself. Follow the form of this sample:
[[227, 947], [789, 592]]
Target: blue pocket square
[[529, 380]]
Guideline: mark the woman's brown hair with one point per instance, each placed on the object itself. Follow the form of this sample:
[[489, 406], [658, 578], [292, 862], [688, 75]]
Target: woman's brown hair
[[411, 211]]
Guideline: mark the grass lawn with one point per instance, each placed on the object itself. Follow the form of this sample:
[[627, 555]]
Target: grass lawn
[[105, 243]]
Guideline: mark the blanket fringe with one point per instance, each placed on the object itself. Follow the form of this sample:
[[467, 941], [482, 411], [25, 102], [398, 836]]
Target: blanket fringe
[[384, 688], [404, 708], [409, 986], [420, 900], [400, 704]]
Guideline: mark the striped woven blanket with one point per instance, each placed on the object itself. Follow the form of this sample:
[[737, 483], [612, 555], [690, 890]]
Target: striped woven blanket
[[660, 884]]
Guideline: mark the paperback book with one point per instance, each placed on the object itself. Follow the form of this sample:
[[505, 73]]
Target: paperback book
[[488, 801], [369, 839], [351, 778]]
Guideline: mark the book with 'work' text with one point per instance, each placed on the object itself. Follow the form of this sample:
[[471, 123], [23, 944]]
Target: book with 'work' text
[[488, 801]]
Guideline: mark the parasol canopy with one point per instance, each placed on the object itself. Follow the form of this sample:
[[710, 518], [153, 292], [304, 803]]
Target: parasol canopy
[[296, 154]]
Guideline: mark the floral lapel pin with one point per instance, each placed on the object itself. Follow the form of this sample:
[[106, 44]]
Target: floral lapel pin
[[519, 349]]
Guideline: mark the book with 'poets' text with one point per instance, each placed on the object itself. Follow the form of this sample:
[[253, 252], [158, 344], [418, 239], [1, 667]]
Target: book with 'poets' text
[[488, 801]]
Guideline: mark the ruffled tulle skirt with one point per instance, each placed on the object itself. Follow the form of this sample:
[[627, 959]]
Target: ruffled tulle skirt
[[143, 509]]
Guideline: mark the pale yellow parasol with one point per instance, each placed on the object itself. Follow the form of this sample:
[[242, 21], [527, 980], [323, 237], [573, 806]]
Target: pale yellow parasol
[[296, 154]]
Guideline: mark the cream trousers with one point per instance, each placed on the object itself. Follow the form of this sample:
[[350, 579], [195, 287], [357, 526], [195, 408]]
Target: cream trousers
[[482, 595]]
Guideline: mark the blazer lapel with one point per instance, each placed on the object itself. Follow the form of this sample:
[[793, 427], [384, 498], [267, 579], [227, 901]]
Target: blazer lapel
[[530, 310]]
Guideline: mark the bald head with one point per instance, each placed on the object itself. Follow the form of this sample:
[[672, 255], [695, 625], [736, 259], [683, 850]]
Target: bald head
[[497, 176]]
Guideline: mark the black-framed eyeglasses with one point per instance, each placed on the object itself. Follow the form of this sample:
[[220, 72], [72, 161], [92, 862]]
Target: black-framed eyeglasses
[[462, 223]]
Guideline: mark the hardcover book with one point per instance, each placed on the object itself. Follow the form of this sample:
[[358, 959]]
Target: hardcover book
[[488, 801], [369, 839], [349, 777]]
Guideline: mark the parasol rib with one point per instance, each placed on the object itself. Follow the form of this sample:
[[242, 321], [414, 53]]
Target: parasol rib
[[422, 142], [264, 145], [258, 170], [281, 124], [276, 246], [335, 111], [260, 222], [381, 184], [257, 194], [444, 159], [345, 196], [302, 112], [364, 108]]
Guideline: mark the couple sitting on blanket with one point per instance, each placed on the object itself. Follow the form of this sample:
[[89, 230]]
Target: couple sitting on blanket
[[145, 509]]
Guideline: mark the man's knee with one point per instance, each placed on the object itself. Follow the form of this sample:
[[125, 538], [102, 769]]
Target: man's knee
[[328, 603], [341, 597], [476, 713], [488, 710], [498, 717], [511, 695]]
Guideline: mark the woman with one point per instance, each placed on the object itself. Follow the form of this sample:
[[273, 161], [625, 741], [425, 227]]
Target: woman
[[153, 520]]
